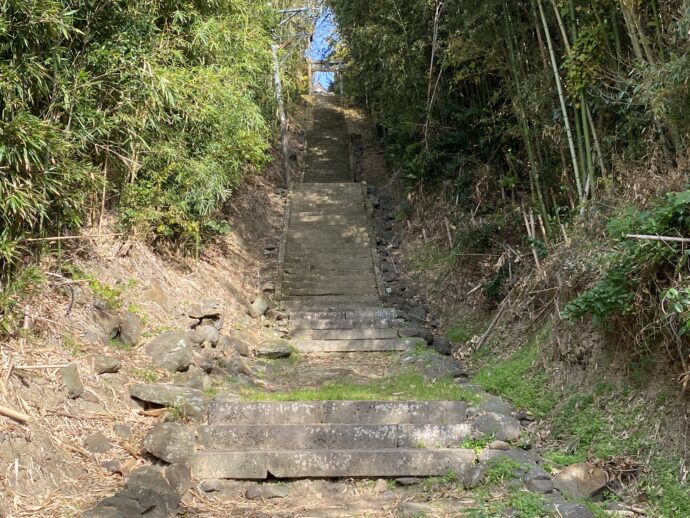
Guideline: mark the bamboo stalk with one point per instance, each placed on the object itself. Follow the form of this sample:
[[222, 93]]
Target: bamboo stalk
[[664, 239], [13, 414], [69, 238], [561, 98]]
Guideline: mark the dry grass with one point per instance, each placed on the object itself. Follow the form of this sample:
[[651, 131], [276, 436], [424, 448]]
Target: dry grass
[[45, 468]]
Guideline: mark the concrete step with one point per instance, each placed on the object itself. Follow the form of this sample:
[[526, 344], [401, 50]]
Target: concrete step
[[346, 334], [330, 436], [355, 346], [257, 465], [336, 412]]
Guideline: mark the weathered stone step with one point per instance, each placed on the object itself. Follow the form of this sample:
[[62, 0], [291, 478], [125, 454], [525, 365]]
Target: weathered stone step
[[292, 304], [302, 325], [373, 312], [346, 334], [330, 436], [321, 291], [355, 346], [308, 269], [257, 465], [310, 281], [336, 412]]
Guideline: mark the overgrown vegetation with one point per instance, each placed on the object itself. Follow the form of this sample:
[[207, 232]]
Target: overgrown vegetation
[[521, 378], [155, 108]]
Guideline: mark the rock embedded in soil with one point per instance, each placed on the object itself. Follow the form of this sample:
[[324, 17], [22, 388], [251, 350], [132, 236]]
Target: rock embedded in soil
[[97, 443], [568, 510], [170, 442], [123, 431], [381, 486], [442, 345], [499, 445], [581, 481], [407, 481], [414, 509], [103, 364], [71, 381], [171, 351], [236, 366], [274, 353], [416, 332], [131, 327], [259, 306], [266, 491], [538, 481], [147, 494], [242, 347]]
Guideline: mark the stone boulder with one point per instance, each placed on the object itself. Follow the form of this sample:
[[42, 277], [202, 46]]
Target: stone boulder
[[107, 321], [170, 442], [131, 327], [71, 381], [171, 351], [193, 402], [103, 364]]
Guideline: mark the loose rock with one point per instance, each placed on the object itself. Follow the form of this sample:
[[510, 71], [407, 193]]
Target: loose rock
[[72, 381], [259, 306], [131, 327], [443, 345], [107, 321], [171, 351], [581, 481], [97, 443], [103, 364], [171, 442]]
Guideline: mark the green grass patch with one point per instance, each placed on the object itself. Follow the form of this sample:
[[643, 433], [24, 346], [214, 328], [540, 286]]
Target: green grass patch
[[406, 386], [520, 379], [116, 343], [463, 331], [148, 375]]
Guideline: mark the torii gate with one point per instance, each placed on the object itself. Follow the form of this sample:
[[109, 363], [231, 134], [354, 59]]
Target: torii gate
[[332, 65]]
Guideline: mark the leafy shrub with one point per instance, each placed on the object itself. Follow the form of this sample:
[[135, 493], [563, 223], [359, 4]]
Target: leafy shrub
[[639, 269]]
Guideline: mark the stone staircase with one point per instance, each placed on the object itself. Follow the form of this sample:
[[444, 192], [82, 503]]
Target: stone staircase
[[327, 439], [331, 289]]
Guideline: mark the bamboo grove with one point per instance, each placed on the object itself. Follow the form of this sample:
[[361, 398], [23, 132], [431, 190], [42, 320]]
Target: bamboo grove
[[154, 108], [556, 96]]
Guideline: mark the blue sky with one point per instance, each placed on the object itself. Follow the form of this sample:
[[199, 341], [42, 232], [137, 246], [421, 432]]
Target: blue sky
[[324, 29]]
